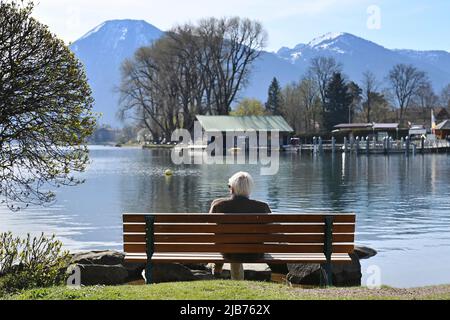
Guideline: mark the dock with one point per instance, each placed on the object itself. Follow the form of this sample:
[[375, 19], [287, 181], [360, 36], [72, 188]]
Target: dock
[[366, 146]]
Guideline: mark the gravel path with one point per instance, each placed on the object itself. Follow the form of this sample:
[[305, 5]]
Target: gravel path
[[382, 293]]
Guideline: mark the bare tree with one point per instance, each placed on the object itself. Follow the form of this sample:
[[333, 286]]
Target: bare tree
[[230, 46], [355, 91], [301, 105], [309, 96], [149, 92], [193, 69], [445, 97], [292, 107], [185, 45], [426, 99], [369, 86], [322, 70], [405, 82]]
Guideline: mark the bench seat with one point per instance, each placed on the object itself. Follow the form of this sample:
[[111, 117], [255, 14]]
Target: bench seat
[[204, 238], [274, 258]]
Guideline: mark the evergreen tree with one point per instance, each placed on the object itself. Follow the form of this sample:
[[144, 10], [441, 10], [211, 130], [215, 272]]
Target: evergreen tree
[[355, 91], [338, 99], [274, 100]]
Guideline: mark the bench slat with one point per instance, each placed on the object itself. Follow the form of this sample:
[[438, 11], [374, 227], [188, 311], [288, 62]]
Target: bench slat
[[217, 257], [239, 228], [239, 238], [239, 218], [237, 248]]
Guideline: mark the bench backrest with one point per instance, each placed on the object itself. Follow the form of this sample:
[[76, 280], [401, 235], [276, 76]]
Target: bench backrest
[[239, 233]]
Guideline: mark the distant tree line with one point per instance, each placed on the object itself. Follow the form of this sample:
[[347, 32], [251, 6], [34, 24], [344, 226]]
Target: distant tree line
[[201, 68], [193, 69], [324, 97]]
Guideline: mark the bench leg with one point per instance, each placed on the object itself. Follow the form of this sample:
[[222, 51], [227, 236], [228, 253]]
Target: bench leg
[[237, 271], [328, 281], [149, 273]]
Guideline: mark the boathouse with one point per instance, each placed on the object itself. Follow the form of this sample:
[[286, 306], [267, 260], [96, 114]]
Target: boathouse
[[377, 130], [240, 124], [442, 130]]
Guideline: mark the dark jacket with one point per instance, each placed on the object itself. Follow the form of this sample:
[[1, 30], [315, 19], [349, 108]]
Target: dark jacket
[[237, 204]]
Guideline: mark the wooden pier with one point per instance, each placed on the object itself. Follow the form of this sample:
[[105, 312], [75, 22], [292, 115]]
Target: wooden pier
[[366, 146]]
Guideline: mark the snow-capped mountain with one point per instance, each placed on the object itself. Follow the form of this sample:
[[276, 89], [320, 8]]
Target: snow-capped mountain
[[438, 58], [104, 48], [358, 55]]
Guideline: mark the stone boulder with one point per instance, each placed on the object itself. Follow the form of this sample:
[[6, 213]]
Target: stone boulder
[[171, 272], [95, 274], [364, 252], [107, 258], [344, 275], [134, 270], [305, 274]]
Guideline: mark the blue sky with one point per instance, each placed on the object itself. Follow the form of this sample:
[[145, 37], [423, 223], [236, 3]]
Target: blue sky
[[414, 24]]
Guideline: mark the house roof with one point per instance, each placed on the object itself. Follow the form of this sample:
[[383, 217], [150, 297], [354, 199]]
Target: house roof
[[444, 125], [375, 126], [233, 123], [353, 126], [385, 125]]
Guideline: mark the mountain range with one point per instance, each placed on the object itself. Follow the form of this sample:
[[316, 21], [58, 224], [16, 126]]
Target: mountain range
[[103, 49]]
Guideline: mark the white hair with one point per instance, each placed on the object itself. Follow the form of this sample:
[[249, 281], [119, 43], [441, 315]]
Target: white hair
[[241, 184]]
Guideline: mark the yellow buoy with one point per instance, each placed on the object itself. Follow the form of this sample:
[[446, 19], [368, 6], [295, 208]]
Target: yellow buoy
[[168, 172], [234, 150]]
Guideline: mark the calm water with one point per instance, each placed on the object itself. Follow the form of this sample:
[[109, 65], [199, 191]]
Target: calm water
[[402, 205]]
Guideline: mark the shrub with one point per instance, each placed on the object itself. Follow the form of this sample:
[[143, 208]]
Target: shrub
[[31, 262], [9, 252]]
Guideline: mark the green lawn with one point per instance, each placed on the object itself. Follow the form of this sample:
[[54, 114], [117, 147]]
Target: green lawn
[[228, 290]]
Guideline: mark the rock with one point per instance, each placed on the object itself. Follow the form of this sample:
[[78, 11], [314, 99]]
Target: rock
[[171, 272], [305, 274], [279, 268], [203, 274], [134, 270], [94, 274], [344, 275], [348, 274], [364, 252], [109, 268], [254, 275], [197, 266], [107, 258]]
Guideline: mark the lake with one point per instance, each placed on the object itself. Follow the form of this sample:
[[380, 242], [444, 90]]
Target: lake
[[402, 204]]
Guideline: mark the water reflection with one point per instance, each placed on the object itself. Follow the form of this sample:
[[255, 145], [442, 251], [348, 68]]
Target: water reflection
[[402, 204]]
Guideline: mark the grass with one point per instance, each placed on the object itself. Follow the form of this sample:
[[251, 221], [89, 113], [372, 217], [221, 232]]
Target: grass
[[228, 290]]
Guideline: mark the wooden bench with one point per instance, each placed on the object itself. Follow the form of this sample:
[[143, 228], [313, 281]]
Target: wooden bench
[[202, 238]]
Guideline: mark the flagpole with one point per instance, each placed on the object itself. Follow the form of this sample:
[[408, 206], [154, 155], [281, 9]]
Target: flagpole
[[433, 122]]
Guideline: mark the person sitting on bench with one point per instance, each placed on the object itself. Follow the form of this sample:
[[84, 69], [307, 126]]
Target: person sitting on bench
[[240, 186]]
